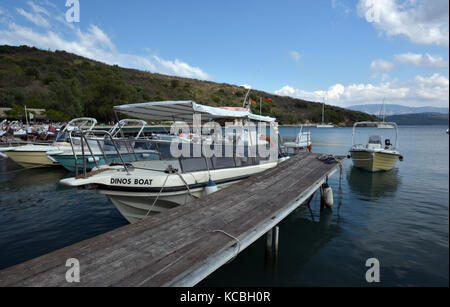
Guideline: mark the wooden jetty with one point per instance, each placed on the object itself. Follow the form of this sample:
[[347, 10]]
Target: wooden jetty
[[184, 245]]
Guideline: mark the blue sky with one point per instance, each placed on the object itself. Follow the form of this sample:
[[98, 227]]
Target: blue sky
[[346, 52]]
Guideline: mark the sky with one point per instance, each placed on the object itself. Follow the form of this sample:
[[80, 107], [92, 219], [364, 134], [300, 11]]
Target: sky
[[342, 52]]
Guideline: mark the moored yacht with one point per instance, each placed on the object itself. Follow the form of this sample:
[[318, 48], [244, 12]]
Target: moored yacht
[[141, 188]]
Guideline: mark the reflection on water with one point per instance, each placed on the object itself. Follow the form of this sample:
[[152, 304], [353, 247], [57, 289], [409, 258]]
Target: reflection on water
[[400, 217], [34, 178], [39, 215], [373, 185], [302, 235]]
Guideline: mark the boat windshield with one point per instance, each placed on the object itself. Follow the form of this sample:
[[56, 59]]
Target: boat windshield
[[375, 139]]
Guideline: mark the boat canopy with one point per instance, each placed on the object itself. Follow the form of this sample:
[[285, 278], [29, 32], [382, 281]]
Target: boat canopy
[[183, 111]]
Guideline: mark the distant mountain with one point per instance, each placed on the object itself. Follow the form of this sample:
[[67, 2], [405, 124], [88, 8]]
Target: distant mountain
[[395, 109], [420, 119]]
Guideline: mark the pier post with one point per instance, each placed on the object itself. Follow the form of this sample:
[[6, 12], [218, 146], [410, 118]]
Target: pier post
[[269, 244], [275, 241]]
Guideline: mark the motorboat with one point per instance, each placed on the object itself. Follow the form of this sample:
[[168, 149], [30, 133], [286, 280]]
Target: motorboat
[[302, 143], [35, 155], [375, 156], [103, 152], [142, 188]]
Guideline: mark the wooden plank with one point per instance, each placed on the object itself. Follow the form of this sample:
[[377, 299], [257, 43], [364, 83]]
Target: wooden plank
[[168, 247]]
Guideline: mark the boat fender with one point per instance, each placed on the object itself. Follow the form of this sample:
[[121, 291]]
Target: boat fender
[[327, 195], [91, 159], [211, 187], [309, 148], [349, 156], [400, 158]]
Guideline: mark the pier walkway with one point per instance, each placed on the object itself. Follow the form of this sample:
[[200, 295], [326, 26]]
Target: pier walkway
[[182, 246]]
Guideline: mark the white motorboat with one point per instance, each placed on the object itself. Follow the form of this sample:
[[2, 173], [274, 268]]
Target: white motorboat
[[141, 188], [302, 143], [34, 155], [374, 156], [103, 152]]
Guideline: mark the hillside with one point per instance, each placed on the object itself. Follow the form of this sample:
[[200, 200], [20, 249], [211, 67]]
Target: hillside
[[395, 109], [70, 86], [420, 119]]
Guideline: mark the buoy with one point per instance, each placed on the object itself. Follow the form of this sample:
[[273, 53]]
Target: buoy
[[327, 195], [92, 159], [211, 187]]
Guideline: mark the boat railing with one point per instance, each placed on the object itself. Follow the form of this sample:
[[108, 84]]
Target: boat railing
[[129, 150], [85, 137]]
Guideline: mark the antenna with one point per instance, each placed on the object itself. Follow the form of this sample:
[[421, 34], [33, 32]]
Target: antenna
[[245, 99]]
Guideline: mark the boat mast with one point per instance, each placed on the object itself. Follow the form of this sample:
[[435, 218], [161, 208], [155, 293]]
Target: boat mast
[[323, 111]]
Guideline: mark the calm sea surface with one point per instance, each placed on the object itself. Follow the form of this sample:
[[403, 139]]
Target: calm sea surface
[[400, 217]]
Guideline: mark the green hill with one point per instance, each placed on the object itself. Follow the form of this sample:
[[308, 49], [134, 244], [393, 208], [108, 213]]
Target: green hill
[[420, 119], [71, 86]]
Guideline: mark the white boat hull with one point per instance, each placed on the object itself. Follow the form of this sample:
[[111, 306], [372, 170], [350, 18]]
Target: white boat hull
[[374, 161], [135, 207], [134, 195]]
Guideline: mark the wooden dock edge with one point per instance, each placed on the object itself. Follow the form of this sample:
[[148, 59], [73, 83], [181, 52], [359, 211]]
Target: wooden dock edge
[[199, 272]]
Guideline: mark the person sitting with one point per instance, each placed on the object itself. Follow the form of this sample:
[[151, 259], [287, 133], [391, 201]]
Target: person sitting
[[7, 133], [32, 133], [51, 131]]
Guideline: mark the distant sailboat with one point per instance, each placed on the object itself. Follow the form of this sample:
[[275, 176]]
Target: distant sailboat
[[383, 124], [323, 125]]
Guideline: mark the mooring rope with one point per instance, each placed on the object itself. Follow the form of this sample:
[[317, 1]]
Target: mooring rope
[[233, 237], [157, 196], [23, 169]]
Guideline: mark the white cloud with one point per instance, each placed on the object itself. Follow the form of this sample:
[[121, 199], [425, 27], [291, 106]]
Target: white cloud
[[422, 60], [341, 5], [95, 44], [421, 21], [420, 91], [295, 55], [246, 86], [36, 16], [180, 68], [37, 19], [381, 66], [37, 9]]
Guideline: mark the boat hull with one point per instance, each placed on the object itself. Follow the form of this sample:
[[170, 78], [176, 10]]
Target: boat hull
[[374, 161], [137, 206], [31, 159]]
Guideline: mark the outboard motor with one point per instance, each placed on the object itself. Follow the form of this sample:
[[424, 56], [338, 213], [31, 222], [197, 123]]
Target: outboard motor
[[387, 142]]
